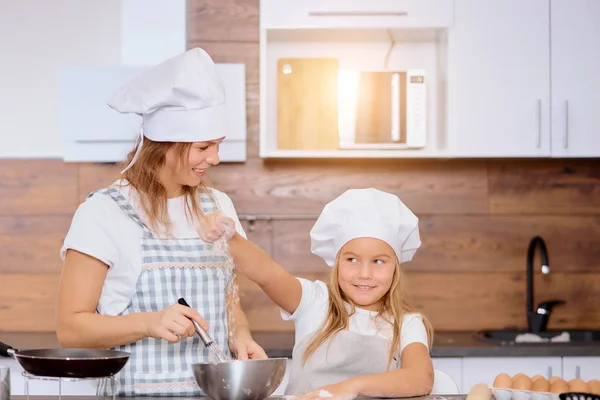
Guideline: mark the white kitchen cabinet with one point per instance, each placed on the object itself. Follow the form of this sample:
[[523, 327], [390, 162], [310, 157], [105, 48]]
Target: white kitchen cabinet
[[585, 368], [575, 82], [307, 14], [484, 370], [452, 366], [499, 75]]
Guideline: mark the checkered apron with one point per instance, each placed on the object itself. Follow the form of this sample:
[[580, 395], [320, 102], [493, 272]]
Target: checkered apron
[[172, 268]]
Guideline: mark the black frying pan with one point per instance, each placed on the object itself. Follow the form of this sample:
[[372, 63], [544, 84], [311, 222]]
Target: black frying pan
[[68, 363]]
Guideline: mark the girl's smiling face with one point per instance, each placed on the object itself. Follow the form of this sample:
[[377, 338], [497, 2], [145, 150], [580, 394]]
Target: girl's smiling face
[[366, 269]]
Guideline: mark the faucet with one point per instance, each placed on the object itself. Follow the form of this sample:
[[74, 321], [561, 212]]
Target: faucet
[[537, 320]]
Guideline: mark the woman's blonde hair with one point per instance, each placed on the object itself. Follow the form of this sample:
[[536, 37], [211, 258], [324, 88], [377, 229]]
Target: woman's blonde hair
[[394, 306], [144, 177]]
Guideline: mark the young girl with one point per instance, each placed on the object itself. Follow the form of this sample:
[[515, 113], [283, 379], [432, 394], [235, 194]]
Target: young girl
[[355, 336]]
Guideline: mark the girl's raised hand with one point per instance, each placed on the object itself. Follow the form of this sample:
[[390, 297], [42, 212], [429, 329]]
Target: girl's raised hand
[[215, 226]]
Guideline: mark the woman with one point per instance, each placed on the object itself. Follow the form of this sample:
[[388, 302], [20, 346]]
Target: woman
[[134, 248]]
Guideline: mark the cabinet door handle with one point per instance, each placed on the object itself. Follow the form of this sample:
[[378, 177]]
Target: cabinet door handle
[[357, 13], [549, 372], [539, 120], [577, 372], [566, 144]]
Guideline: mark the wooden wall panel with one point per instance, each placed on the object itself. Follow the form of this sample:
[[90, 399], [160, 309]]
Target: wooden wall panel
[[37, 187], [499, 242], [304, 187], [31, 244], [291, 247], [465, 243], [453, 301], [466, 301], [223, 20], [259, 233], [27, 302], [95, 176], [545, 187]]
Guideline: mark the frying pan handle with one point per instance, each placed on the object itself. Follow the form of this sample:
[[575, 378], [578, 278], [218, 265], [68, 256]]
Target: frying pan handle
[[6, 350]]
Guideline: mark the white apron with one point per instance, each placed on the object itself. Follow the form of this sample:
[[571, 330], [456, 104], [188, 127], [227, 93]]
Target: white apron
[[172, 268], [346, 355]]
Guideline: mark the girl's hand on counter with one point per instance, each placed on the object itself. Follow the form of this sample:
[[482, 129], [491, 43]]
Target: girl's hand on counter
[[173, 323], [345, 390]]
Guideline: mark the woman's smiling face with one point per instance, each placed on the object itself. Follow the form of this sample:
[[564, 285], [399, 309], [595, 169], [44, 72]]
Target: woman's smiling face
[[191, 171]]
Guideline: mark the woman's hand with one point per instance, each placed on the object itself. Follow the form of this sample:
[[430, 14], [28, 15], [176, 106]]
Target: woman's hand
[[173, 323], [216, 225], [246, 348]]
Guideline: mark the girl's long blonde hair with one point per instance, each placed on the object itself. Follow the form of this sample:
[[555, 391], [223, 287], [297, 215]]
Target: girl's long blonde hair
[[392, 311], [144, 177]]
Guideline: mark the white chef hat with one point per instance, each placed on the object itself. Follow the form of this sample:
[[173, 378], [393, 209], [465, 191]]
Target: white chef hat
[[365, 213], [181, 99]]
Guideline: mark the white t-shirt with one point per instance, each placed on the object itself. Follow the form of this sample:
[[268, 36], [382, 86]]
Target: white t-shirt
[[313, 307], [102, 230]]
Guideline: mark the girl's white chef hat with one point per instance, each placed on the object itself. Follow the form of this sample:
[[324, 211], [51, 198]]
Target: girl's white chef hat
[[181, 99], [365, 213]]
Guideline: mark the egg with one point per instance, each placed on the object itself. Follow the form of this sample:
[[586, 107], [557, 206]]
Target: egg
[[481, 391], [540, 384], [554, 379], [578, 385], [594, 386], [536, 377], [521, 382], [503, 381], [559, 386]]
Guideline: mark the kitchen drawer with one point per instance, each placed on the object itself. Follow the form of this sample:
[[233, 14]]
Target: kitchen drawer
[[586, 368], [287, 14], [485, 369]]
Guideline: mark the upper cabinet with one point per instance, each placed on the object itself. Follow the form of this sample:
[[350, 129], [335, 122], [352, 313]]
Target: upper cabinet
[[333, 14], [429, 78], [499, 74], [575, 50], [523, 79]]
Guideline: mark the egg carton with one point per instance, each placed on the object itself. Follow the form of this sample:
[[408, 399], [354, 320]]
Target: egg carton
[[516, 394], [579, 396]]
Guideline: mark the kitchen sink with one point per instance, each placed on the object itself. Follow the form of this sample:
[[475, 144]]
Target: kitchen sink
[[508, 336]]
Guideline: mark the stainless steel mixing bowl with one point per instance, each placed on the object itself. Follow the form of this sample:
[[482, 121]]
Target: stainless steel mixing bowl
[[240, 380]]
